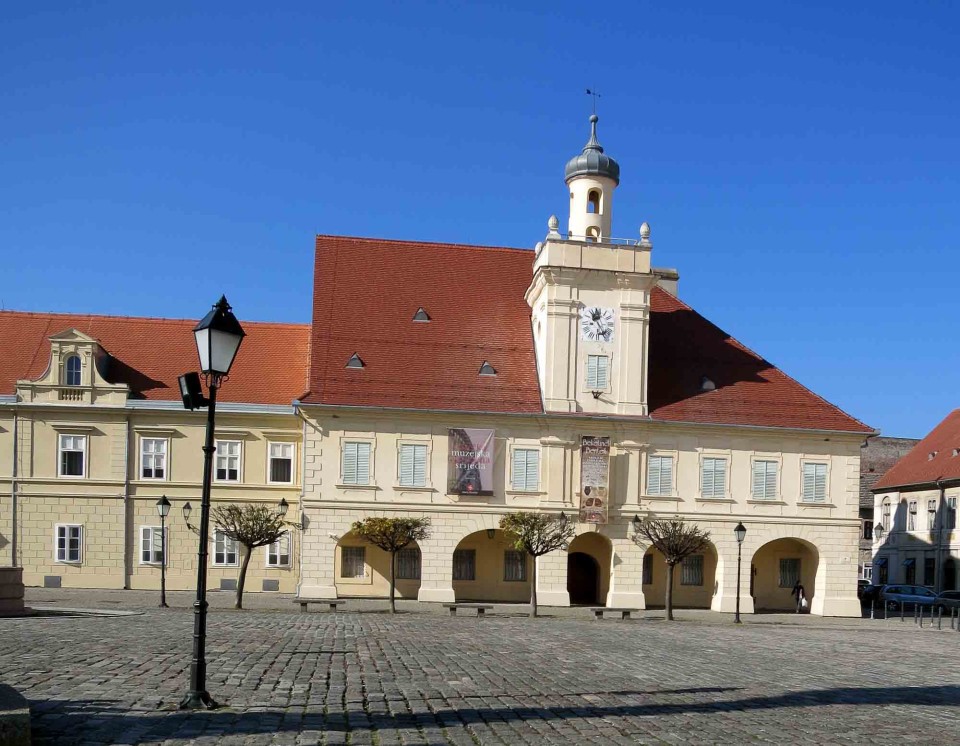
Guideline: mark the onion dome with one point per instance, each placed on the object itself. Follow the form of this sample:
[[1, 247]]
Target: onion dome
[[592, 161]]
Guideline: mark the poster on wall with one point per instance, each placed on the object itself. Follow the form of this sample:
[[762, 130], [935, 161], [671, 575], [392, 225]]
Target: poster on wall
[[594, 477], [470, 463]]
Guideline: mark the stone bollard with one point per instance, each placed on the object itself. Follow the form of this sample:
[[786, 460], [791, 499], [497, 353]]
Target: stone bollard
[[11, 592]]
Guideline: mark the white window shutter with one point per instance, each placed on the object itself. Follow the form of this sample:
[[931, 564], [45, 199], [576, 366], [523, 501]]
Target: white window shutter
[[603, 364], [771, 480], [759, 479], [406, 465], [533, 470], [720, 477], [820, 483], [350, 463], [654, 476], [707, 478], [519, 469], [666, 475], [363, 463], [592, 372], [809, 481], [420, 465]]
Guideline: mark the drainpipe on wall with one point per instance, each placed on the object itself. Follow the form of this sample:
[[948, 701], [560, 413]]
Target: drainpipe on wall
[[303, 492], [13, 496], [127, 556]]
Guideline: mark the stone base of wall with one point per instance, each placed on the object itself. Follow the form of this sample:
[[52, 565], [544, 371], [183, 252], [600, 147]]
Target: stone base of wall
[[11, 593]]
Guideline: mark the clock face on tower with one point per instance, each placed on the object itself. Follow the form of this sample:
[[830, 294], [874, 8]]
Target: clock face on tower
[[596, 324]]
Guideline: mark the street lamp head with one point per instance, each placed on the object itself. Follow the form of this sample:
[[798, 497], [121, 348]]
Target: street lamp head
[[163, 506], [740, 532], [636, 524], [218, 336], [878, 531], [282, 507], [563, 520], [187, 510]]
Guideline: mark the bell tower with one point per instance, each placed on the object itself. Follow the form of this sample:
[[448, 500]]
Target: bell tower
[[591, 177]]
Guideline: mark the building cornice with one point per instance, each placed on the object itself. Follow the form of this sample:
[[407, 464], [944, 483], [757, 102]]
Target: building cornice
[[147, 405]]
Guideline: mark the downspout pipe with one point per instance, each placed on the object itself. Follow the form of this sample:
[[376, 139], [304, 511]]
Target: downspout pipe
[[303, 492], [13, 493], [127, 516]]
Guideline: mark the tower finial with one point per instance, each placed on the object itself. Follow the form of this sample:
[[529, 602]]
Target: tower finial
[[595, 95]]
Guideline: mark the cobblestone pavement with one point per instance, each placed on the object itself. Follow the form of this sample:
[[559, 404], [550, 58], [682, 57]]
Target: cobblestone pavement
[[423, 678]]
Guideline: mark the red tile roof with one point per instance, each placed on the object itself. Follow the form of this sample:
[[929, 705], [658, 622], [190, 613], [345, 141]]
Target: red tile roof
[[366, 292], [148, 354], [934, 458]]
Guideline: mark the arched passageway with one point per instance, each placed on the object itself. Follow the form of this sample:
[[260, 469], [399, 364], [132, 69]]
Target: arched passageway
[[487, 567], [694, 580], [588, 569], [776, 567], [363, 570]]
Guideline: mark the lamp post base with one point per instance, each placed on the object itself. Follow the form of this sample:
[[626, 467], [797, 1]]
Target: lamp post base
[[198, 701]]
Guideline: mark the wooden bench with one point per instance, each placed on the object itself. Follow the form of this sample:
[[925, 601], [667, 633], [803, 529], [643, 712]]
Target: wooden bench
[[481, 608], [330, 602], [624, 613]]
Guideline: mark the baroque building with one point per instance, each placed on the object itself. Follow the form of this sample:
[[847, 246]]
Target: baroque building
[[457, 383]]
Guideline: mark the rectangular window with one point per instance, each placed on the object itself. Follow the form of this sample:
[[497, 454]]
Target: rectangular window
[[151, 546], [648, 569], [764, 480], [153, 458], [951, 513], [814, 483], [868, 530], [281, 463], [789, 572], [598, 370], [69, 543], [868, 572], [929, 571], [660, 475], [228, 460], [931, 513], [514, 565], [465, 564], [413, 465], [526, 469], [910, 571], [73, 455], [224, 549], [691, 570], [278, 553], [408, 564], [713, 479], [356, 463], [353, 562], [912, 516]]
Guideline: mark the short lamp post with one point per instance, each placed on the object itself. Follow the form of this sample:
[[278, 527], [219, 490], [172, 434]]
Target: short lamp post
[[932, 523], [163, 508], [218, 337], [741, 533]]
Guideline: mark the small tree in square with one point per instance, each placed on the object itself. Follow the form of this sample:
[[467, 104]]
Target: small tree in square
[[537, 534], [391, 535], [251, 526], [675, 539]]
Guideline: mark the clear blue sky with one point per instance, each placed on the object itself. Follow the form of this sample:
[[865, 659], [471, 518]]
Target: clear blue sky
[[799, 164]]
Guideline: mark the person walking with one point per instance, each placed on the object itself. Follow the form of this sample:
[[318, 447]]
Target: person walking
[[800, 595]]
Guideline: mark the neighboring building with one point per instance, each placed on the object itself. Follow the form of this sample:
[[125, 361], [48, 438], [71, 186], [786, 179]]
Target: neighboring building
[[457, 383], [93, 432], [877, 455], [916, 504]]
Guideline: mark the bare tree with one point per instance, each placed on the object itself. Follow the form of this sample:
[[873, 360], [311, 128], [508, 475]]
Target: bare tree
[[251, 526], [537, 534], [391, 535], [675, 540]]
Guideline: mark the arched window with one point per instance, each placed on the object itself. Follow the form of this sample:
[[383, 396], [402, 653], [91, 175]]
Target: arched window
[[885, 514], [593, 233], [72, 370], [593, 202]]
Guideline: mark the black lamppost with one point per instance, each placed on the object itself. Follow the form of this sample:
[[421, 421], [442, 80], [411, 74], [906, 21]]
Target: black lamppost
[[741, 533], [218, 337], [932, 523], [163, 508]]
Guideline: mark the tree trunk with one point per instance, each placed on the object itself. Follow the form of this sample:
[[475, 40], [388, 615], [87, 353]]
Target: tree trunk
[[243, 577], [393, 581], [533, 589], [669, 602]]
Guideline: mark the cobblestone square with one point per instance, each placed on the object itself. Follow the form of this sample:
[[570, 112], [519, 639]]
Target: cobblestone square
[[424, 678]]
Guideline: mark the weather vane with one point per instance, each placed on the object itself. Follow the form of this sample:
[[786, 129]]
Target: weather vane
[[595, 95]]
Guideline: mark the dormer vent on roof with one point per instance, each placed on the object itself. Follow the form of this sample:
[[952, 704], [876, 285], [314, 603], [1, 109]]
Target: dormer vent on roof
[[487, 370], [421, 315], [356, 362], [932, 455], [707, 385]]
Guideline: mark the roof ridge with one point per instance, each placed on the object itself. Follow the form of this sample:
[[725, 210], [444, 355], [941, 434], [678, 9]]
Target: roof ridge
[[51, 315], [407, 242]]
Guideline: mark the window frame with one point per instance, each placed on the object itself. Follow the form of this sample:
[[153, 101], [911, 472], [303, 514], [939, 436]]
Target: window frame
[[293, 461], [516, 561], [912, 507], [526, 449], [66, 370], [826, 482], [154, 530], [218, 455], [80, 543], [358, 550], [84, 452], [413, 446], [409, 551], [780, 574], [370, 444], [716, 457], [586, 373], [660, 456], [165, 454], [767, 461], [472, 553], [270, 553], [225, 552], [693, 568], [646, 569]]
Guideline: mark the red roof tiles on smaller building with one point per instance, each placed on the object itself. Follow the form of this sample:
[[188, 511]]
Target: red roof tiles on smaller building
[[935, 458], [149, 354]]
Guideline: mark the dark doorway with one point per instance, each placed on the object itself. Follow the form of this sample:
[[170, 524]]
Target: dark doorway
[[583, 579]]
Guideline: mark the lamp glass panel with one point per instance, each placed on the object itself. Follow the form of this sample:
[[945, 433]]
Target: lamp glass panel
[[203, 348], [223, 348]]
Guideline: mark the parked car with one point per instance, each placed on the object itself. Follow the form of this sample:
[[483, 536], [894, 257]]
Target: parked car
[[895, 595], [947, 601], [868, 593]]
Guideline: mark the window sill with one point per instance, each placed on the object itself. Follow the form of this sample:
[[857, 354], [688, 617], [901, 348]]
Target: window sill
[[529, 493], [73, 477], [356, 487], [674, 498], [215, 564], [412, 488], [75, 563], [756, 501], [277, 567], [715, 500], [803, 504]]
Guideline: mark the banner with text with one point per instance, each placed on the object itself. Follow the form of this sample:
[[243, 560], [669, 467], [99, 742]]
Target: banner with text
[[470, 463], [594, 477]]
